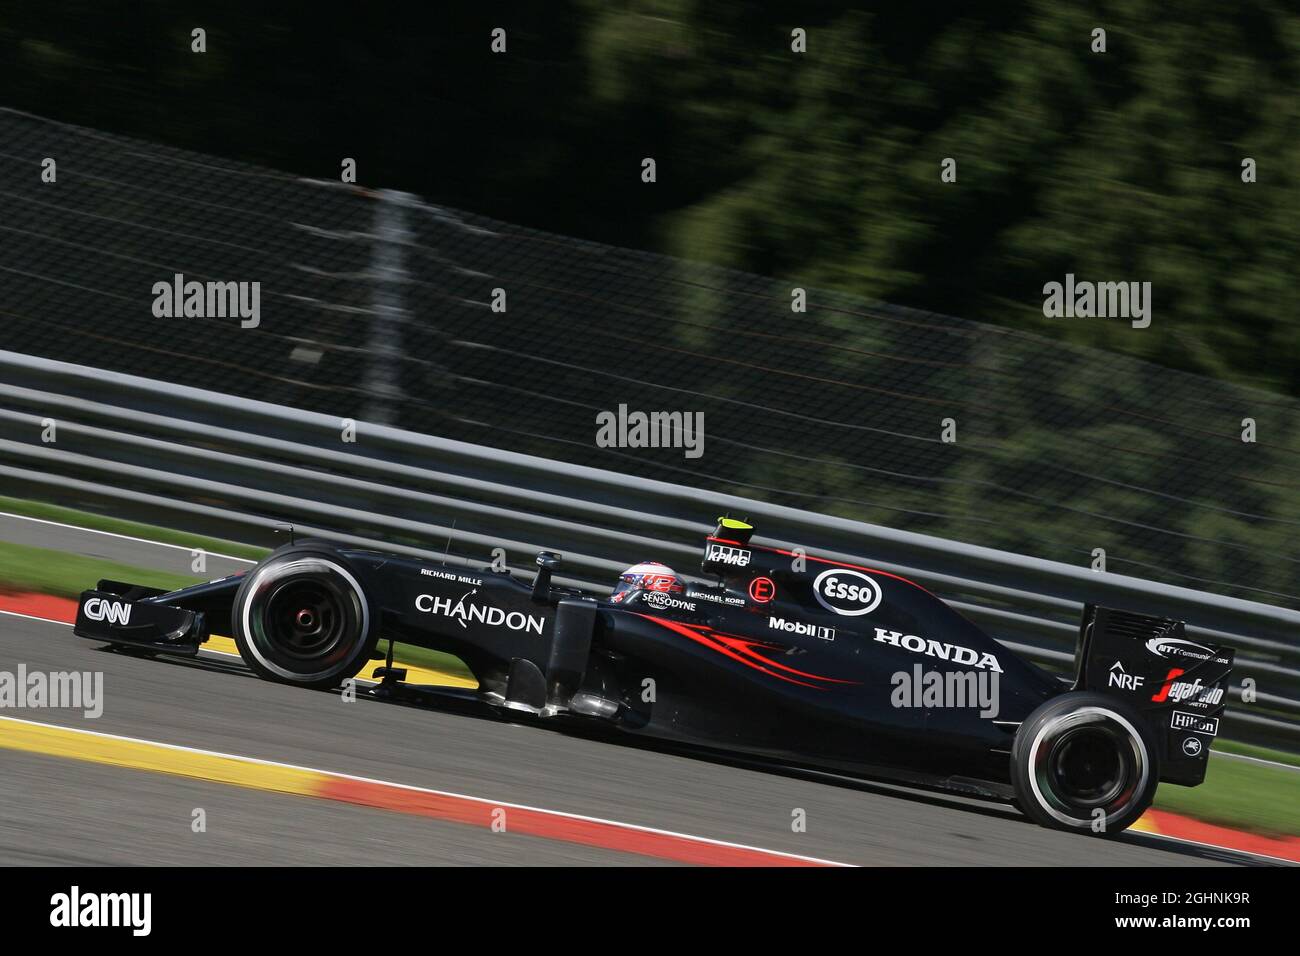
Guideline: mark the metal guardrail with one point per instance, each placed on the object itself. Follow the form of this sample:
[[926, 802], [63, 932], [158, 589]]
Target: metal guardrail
[[237, 468]]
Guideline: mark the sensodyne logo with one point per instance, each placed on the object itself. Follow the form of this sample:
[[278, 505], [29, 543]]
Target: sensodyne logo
[[663, 601], [723, 554], [482, 613], [846, 592], [97, 609]]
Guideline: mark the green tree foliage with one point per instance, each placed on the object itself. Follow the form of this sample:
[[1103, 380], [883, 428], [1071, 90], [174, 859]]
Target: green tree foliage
[[821, 167]]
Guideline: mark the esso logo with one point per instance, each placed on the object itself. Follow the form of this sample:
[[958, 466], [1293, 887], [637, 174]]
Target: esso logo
[[847, 592]]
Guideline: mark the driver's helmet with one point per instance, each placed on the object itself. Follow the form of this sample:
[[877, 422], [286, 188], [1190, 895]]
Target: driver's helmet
[[646, 576]]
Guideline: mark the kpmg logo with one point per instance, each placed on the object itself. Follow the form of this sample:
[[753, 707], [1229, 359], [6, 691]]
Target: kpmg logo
[[724, 554]]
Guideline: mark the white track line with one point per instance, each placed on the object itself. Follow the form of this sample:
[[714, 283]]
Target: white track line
[[440, 793], [33, 617], [126, 537], [1268, 763], [1214, 846]]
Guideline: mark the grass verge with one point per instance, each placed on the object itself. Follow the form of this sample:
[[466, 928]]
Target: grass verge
[[134, 529], [40, 570], [1240, 794]]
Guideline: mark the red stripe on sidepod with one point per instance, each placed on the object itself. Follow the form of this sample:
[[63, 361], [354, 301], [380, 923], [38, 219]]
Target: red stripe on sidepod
[[715, 642], [746, 646]]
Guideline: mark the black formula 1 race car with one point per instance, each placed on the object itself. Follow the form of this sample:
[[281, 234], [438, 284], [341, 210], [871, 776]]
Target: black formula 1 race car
[[786, 659]]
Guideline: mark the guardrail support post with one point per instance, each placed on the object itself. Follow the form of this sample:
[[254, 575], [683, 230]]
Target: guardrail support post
[[384, 345]]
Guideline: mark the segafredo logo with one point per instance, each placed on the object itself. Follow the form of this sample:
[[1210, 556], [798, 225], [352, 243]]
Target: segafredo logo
[[1188, 690], [945, 652], [799, 627], [846, 592], [464, 610], [97, 609]]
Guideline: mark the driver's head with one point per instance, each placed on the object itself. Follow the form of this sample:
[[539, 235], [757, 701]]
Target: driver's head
[[647, 576]]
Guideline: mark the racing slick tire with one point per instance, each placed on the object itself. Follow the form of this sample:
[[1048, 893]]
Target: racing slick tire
[[1085, 762], [301, 617]]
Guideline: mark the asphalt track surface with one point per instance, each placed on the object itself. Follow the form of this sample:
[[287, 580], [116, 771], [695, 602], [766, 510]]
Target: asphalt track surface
[[55, 810]]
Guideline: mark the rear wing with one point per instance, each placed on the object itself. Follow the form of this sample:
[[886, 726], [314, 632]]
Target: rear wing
[[1179, 685]]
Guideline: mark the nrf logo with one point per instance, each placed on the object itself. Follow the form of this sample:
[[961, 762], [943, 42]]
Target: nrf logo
[[1124, 680]]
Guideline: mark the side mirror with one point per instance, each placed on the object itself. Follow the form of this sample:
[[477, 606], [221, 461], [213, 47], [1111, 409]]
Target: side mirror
[[547, 562]]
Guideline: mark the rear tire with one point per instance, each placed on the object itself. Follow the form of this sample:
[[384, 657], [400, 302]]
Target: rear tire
[[302, 617], [1085, 762]]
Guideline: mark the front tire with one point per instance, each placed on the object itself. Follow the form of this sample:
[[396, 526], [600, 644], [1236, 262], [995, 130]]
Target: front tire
[[301, 617], [1085, 762]]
